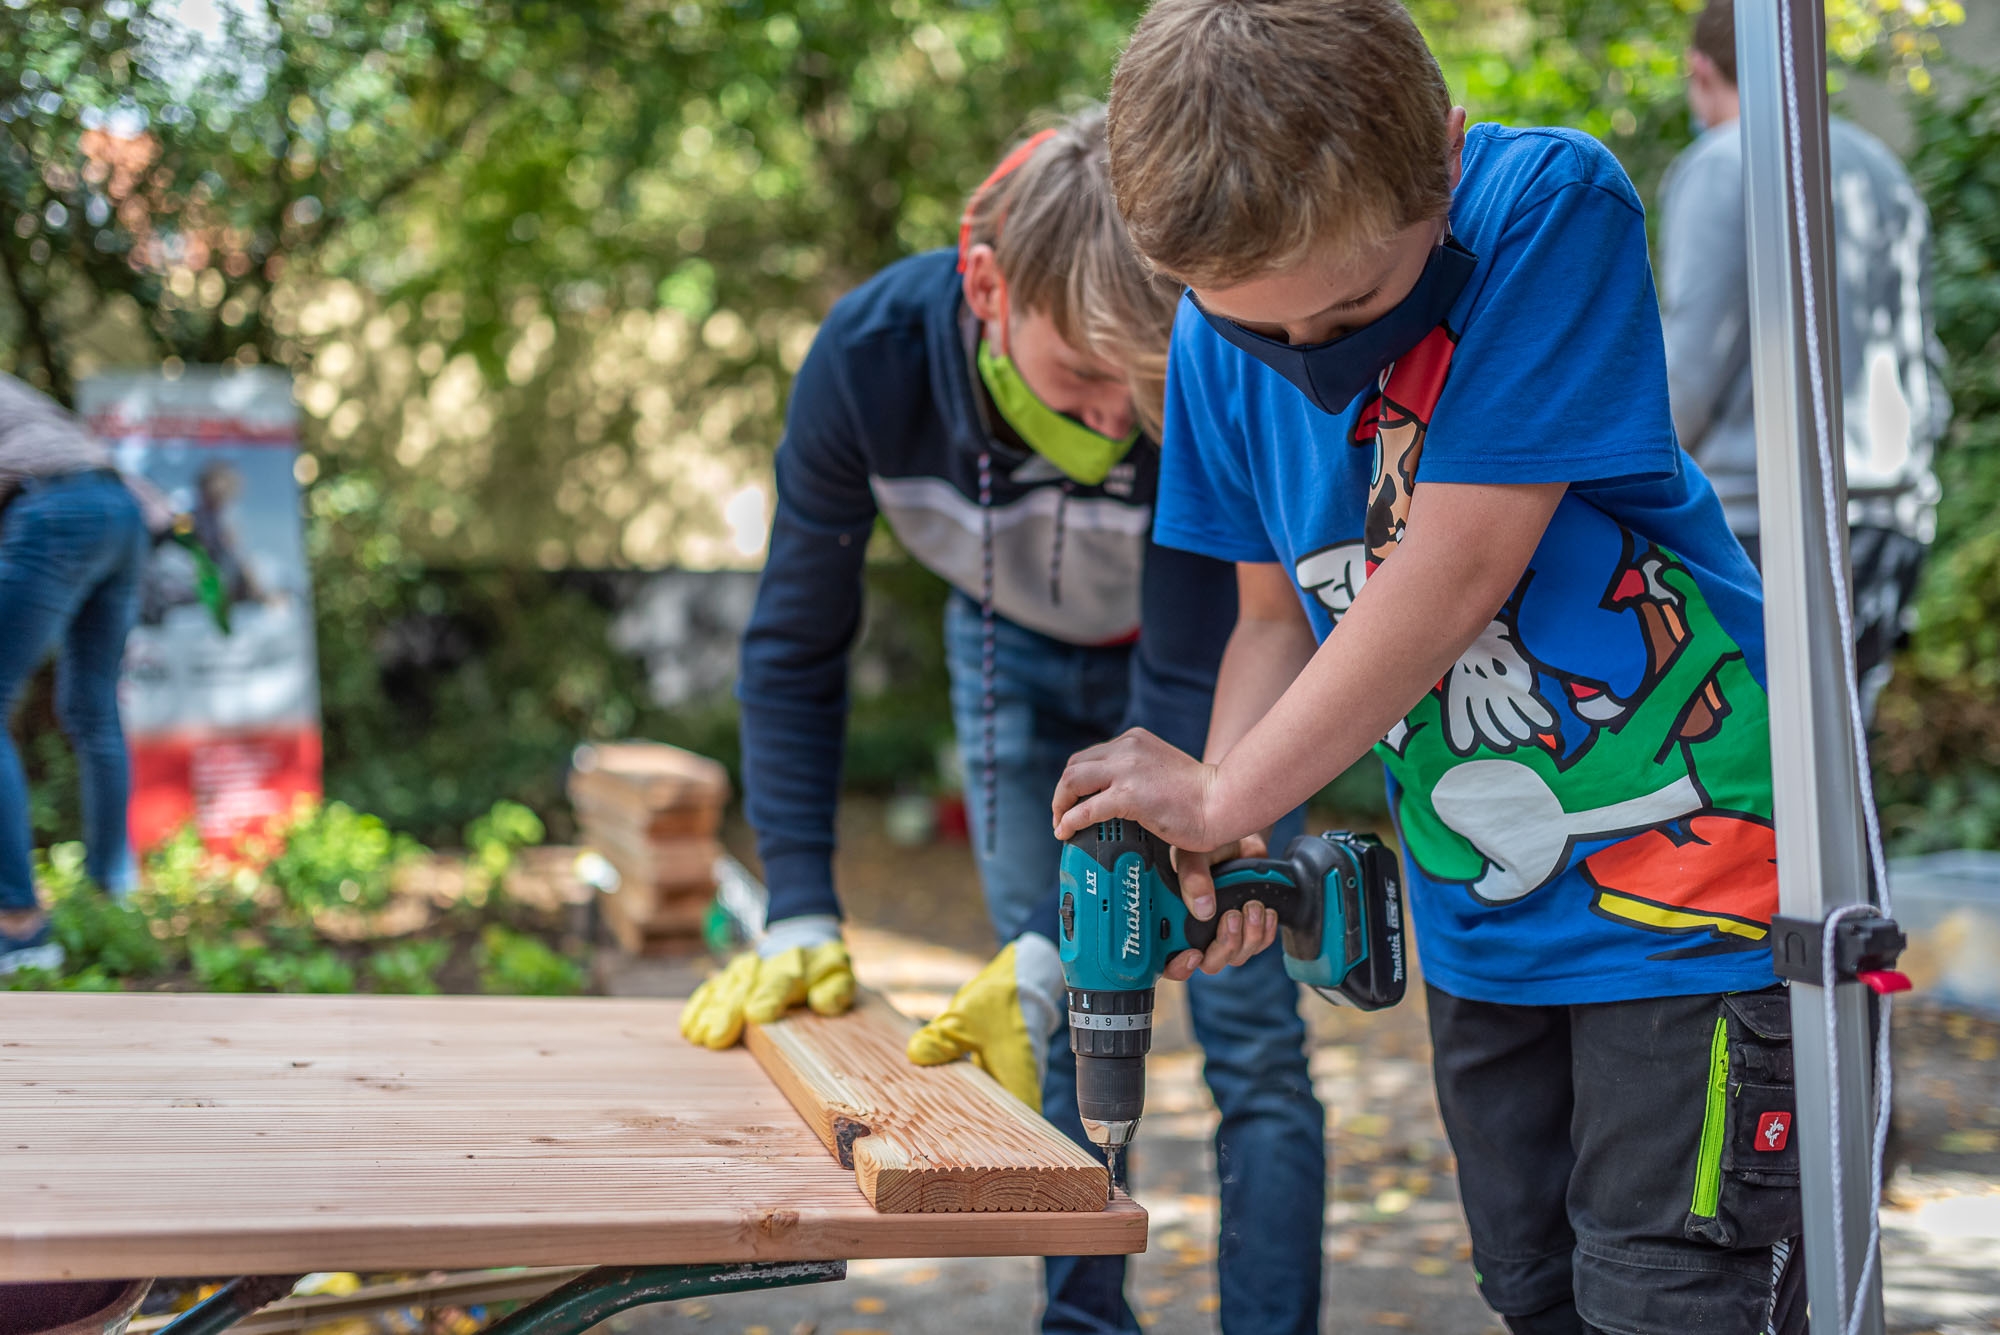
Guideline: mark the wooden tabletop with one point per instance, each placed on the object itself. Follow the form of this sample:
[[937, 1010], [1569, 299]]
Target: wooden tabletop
[[152, 1134]]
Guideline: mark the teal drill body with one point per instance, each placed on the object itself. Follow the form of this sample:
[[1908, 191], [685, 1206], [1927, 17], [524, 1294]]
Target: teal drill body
[[1338, 900]]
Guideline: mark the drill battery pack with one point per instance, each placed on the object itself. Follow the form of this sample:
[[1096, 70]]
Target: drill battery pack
[[1355, 955]]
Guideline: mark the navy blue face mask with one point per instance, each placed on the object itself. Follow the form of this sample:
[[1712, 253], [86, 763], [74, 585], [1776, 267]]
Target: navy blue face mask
[[1333, 373]]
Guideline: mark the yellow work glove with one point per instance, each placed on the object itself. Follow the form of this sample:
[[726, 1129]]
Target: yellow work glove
[[800, 962], [1002, 1019]]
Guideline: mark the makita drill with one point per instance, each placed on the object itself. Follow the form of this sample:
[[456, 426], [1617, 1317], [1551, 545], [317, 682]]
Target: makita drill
[[1339, 904]]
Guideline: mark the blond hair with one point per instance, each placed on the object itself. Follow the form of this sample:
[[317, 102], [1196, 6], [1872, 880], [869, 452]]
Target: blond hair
[[1063, 251], [1245, 133]]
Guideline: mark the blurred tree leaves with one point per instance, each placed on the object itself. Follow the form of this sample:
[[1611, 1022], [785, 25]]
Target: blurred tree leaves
[[541, 269], [1939, 762], [554, 258], [536, 253]]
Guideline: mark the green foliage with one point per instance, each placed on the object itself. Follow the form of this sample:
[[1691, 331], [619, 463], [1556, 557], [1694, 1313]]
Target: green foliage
[[516, 964], [332, 856], [98, 932], [1939, 770], [516, 673], [100, 936], [291, 926], [92, 979], [321, 970], [425, 738], [407, 967], [493, 840], [224, 965], [251, 966]]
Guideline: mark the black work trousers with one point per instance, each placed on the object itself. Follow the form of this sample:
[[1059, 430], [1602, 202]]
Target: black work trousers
[[1627, 1167]]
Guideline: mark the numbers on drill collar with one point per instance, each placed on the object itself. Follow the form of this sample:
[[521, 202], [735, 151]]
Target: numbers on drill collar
[[1093, 1020]]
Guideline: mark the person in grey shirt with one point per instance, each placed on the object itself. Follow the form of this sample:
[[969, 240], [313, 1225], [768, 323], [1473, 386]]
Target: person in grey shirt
[[1894, 404], [74, 534]]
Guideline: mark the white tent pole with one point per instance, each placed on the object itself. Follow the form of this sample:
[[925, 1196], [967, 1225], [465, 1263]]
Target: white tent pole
[[1822, 863]]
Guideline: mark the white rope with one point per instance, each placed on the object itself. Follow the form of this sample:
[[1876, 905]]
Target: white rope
[[1851, 1313]]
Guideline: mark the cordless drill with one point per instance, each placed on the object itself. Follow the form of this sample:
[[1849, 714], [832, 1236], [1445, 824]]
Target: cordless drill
[[1338, 899]]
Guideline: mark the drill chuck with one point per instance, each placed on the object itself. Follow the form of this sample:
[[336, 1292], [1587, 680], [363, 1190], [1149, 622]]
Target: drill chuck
[[1111, 1031]]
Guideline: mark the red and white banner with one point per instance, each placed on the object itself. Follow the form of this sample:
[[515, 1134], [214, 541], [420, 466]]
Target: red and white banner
[[224, 729]]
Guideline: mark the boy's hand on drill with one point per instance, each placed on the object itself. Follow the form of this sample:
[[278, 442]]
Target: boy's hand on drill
[[1241, 935], [801, 962], [1139, 777]]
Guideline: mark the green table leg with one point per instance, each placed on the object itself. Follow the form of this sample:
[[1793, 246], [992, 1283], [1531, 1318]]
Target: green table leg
[[569, 1310], [611, 1289], [230, 1304]]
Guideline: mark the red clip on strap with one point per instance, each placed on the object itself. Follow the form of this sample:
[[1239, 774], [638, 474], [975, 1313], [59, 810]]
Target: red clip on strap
[[1007, 164], [1884, 981]]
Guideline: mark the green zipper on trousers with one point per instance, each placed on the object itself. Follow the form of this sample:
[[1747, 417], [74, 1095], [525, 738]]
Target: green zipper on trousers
[[1708, 1169]]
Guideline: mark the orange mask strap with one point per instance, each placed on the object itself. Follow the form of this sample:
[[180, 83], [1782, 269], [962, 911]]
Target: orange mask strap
[[1007, 164]]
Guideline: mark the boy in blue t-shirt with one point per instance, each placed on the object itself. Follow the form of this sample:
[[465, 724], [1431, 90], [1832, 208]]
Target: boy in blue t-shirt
[[1417, 393]]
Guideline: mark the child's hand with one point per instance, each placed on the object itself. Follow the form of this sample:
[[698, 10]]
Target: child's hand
[[1138, 777], [1239, 937]]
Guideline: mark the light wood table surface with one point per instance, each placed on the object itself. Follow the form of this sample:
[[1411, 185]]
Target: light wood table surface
[[153, 1134]]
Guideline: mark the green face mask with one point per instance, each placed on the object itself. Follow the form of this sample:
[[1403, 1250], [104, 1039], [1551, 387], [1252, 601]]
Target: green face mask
[[1081, 453]]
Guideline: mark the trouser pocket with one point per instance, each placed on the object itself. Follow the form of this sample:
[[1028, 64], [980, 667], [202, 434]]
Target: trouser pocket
[[1746, 1188]]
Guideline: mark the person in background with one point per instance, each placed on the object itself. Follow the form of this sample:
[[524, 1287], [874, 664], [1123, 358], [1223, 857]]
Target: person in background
[[74, 535], [218, 487], [1894, 404], [997, 405]]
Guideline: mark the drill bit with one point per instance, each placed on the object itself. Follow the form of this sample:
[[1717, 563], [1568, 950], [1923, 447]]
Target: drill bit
[[1110, 1174]]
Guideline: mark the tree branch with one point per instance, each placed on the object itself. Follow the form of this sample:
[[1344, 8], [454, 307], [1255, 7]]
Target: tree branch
[[444, 145], [32, 314]]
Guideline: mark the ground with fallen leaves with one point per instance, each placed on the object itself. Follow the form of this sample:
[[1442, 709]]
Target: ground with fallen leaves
[[1395, 1243]]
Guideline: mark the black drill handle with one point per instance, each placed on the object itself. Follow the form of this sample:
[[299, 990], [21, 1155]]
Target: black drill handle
[[1272, 882]]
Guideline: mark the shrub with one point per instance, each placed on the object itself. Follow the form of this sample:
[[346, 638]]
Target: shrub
[[514, 963], [407, 967]]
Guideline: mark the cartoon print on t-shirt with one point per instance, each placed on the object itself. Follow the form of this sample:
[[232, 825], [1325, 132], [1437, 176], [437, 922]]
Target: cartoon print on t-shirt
[[1334, 575], [1491, 699], [1627, 744]]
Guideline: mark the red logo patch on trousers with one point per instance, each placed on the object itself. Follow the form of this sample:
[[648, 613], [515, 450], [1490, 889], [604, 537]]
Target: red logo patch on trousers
[[1773, 1130]]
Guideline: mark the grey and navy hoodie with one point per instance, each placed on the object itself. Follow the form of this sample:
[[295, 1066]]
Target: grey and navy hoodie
[[888, 417]]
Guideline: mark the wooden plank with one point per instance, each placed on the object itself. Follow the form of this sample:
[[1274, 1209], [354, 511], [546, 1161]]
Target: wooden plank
[[936, 1139], [151, 1134]]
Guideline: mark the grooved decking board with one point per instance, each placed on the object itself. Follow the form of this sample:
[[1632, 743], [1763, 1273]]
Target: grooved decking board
[[159, 1134], [937, 1139]]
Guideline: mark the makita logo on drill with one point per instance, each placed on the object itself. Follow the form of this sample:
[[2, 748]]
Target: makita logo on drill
[[1132, 897], [1394, 917]]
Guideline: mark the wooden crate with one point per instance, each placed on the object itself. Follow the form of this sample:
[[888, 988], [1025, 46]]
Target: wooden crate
[[653, 811], [665, 930]]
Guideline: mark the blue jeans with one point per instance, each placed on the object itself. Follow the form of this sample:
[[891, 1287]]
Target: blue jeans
[[72, 550], [1050, 700]]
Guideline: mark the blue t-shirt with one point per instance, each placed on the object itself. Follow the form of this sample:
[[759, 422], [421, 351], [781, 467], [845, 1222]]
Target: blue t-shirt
[[1585, 799]]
